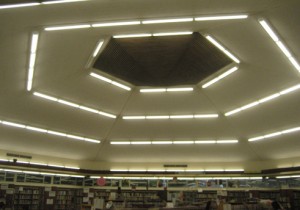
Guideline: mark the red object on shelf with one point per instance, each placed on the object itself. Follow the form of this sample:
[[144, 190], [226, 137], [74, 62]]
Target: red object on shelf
[[101, 181]]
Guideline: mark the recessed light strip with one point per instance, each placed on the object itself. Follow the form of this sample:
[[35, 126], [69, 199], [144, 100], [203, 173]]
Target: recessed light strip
[[41, 173], [162, 117], [73, 105], [223, 49], [32, 58], [224, 17], [173, 33], [173, 142], [175, 20], [125, 23], [17, 125], [159, 90], [270, 135], [225, 74], [263, 100], [279, 43], [97, 76], [68, 27], [98, 48], [61, 1], [11, 6]]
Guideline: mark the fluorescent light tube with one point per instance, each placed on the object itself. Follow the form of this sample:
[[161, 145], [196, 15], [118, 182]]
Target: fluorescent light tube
[[137, 170], [234, 170], [58, 166], [223, 17], [181, 116], [40, 164], [57, 28], [18, 5], [179, 89], [263, 100], [289, 90], [23, 162], [121, 85], [140, 142], [69, 167], [67, 103], [283, 49], [120, 142], [225, 74], [101, 77], [162, 142], [279, 43], [174, 33], [131, 36], [268, 29], [45, 96], [11, 170], [295, 63], [13, 124], [110, 81], [194, 170], [206, 116], [275, 134], [157, 117], [31, 172], [61, 1], [96, 51], [125, 23], [186, 178], [156, 170], [48, 131], [175, 170], [175, 20], [73, 105], [134, 117], [183, 142], [57, 133], [218, 45], [32, 59], [36, 129], [157, 90]]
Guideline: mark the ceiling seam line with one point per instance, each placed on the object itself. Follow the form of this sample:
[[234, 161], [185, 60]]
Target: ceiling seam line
[[230, 126], [114, 123]]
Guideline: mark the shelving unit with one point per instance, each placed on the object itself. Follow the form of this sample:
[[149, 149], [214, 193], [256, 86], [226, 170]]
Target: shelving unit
[[65, 199], [28, 198]]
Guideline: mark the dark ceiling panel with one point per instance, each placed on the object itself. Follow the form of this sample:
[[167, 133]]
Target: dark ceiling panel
[[161, 61]]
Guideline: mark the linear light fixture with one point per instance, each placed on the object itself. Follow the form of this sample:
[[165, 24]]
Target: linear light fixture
[[225, 74], [162, 117], [174, 142], [68, 27], [223, 49], [11, 6], [48, 131], [61, 1], [279, 43], [97, 76], [124, 23], [159, 90], [174, 20], [263, 100], [131, 36], [96, 51], [221, 17], [73, 105], [173, 33], [270, 135], [32, 58]]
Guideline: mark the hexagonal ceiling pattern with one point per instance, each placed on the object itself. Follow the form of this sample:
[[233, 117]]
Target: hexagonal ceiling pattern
[[161, 61], [79, 108]]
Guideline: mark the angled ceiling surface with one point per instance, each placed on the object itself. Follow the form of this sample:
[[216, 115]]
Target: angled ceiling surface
[[61, 72]]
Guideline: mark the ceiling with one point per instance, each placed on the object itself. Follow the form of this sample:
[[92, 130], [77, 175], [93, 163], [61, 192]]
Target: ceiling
[[61, 72]]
